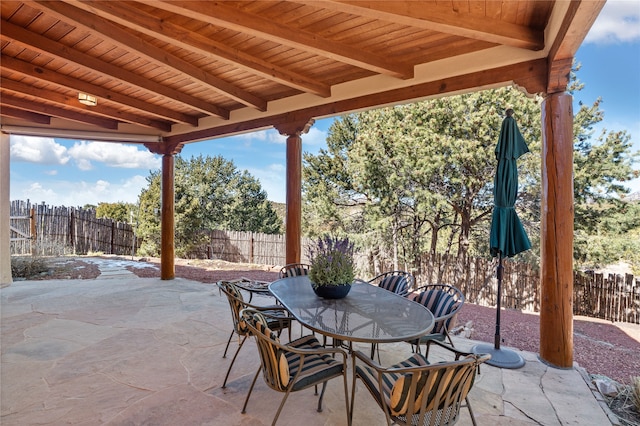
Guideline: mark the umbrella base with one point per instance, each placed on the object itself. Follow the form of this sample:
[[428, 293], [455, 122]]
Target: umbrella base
[[501, 358]]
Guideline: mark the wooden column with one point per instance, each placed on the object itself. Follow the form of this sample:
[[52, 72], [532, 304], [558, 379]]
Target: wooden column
[[167, 220], [556, 304], [293, 233], [167, 250]]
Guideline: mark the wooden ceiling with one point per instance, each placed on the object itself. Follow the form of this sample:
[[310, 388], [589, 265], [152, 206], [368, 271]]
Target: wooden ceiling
[[182, 71]]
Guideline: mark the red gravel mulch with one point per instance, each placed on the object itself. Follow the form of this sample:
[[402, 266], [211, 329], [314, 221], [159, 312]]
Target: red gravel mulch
[[599, 347]]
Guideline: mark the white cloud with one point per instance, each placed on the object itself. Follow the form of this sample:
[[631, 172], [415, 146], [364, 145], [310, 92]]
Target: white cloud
[[315, 137], [79, 193], [37, 150], [112, 155], [47, 151], [272, 179], [619, 21]]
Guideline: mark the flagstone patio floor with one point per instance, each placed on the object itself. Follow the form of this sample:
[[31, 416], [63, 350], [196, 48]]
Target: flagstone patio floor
[[122, 350]]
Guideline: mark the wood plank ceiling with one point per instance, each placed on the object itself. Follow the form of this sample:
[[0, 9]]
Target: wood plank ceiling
[[182, 71]]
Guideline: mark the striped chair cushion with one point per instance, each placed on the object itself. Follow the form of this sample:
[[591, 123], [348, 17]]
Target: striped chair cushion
[[439, 389], [275, 360], [280, 365], [440, 304], [295, 270], [395, 386], [395, 284], [274, 318], [315, 367]]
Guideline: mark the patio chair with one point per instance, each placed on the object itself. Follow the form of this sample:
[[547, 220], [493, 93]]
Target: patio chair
[[399, 282], [414, 392], [294, 270], [444, 302], [278, 319], [295, 366]]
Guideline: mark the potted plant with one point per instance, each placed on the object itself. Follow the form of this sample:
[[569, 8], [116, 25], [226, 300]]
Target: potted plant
[[332, 266]]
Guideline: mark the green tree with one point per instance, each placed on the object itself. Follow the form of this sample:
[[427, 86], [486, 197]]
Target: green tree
[[418, 178], [417, 171], [210, 193], [120, 212]]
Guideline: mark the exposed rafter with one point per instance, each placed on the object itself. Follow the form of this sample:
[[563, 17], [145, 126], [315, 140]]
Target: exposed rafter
[[254, 25], [112, 32], [189, 70], [179, 35], [445, 18]]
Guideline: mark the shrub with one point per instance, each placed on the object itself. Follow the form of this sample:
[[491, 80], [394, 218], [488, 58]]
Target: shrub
[[28, 266]]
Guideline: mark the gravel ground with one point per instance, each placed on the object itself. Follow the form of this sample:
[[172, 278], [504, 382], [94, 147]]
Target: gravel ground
[[601, 347]]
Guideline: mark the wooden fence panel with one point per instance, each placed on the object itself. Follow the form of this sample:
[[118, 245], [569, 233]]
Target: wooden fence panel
[[68, 230], [249, 247]]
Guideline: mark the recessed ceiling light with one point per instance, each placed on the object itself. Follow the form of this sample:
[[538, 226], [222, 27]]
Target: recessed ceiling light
[[88, 100]]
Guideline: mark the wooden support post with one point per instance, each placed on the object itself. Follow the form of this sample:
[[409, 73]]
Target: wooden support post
[[167, 219], [167, 248], [556, 269], [293, 235], [294, 199]]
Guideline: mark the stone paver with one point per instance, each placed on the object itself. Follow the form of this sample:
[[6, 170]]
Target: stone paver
[[124, 350]]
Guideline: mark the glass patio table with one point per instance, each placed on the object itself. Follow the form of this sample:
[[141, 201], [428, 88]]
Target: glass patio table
[[368, 313]]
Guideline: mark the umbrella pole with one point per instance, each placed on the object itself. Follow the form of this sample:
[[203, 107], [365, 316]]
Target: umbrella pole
[[499, 274], [501, 358]]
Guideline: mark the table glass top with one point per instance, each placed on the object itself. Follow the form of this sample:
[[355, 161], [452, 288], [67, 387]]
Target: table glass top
[[368, 313]]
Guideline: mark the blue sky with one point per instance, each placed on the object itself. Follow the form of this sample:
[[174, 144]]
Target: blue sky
[[74, 173]]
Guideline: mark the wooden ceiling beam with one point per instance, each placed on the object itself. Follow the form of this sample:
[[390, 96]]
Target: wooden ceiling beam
[[218, 13], [31, 117], [72, 102], [532, 76], [580, 15], [48, 47], [30, 70], [177, 35], [88, 17], [54, 111], [441, 18]]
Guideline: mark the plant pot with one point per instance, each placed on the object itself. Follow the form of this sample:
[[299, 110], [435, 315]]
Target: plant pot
[[332, 291]]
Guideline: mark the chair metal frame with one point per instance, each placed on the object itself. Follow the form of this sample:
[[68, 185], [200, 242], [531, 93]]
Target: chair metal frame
[[428, 400], [296, 354], [278, 316], [442, 322]]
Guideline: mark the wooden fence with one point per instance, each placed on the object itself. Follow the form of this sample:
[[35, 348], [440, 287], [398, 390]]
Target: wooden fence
[[62, 230], [608, 296], [43, 230], [249, 247]]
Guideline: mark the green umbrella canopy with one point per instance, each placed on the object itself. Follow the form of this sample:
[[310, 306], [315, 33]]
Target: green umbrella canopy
[[508, 236]]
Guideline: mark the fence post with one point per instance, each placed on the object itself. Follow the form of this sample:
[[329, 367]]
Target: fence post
[[251, 248], [113, 236], [72, 236], [32, 227]]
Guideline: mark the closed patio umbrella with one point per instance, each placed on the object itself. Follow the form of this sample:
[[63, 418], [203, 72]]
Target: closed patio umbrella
[[508, 236]]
